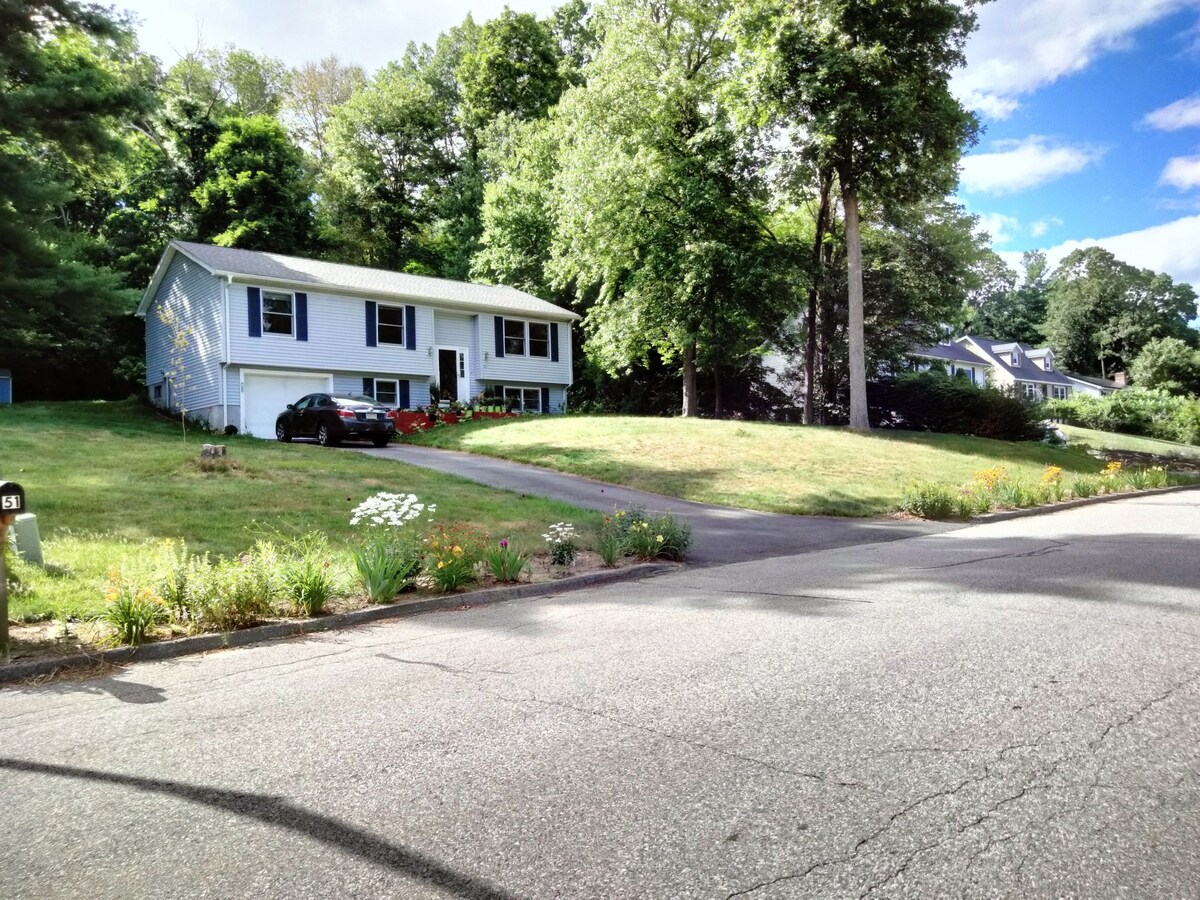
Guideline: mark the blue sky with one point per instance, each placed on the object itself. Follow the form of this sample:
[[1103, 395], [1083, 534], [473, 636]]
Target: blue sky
[[1091, 108]]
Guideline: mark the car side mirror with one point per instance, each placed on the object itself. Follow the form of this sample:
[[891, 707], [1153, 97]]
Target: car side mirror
[[291, 406]]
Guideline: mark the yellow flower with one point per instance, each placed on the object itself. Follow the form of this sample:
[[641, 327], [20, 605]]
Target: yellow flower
[[658, 537], [1052, 475], [441, 565], [457, 549]]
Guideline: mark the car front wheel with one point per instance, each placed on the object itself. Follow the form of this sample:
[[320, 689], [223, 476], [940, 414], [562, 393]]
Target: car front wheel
[[325, 436], [282, 433]]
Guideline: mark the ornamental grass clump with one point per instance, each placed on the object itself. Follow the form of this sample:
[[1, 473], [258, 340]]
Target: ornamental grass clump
[[505, 561], [929, 500], [561, 538], [132, 606], [389, 559], [308, 577]]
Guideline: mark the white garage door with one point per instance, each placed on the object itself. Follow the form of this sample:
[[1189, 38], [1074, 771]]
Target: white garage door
[[266, 394]]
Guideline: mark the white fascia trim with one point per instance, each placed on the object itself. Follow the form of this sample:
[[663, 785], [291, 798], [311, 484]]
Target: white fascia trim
[[559, 315]]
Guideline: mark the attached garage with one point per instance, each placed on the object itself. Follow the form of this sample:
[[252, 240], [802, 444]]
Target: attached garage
[[266, 394]]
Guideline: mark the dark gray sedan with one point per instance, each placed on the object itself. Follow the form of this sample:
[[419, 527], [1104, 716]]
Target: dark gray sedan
[[332, 419]]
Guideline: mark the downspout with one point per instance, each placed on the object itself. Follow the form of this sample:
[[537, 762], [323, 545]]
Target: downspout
[[225, 350]]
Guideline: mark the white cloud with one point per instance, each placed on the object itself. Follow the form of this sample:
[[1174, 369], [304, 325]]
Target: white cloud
[[1019, 165], [367, 32], [999, 226], [1173, 247], [1023, 45], [1182, 172], [1183, 113], [1041, 226]]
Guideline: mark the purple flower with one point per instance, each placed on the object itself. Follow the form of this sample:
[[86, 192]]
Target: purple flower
[[504, 543]]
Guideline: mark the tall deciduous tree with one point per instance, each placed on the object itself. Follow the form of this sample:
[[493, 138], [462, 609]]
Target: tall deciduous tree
[[867, 82], [1012, 312], [314, 91], [1100, 311], [658, 199], [257, 195]]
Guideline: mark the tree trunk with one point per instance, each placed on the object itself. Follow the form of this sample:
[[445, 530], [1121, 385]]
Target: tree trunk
[[810, 348], [859, 421], [691, 406], [718, 411]]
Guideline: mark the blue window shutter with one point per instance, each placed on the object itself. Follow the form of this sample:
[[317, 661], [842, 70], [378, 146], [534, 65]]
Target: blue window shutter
[[499, 336], [254, 311], [402, 393], [301, 317], [545, 399], [369, 387], [553, 342], [410, 328], [372, 323]]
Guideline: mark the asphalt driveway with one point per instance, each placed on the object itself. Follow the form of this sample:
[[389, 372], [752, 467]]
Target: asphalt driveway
[[722, 534]]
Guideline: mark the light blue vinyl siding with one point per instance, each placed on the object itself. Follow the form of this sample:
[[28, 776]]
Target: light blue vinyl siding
[[352, 383], [524, 369], [195, 296], [337, 339]]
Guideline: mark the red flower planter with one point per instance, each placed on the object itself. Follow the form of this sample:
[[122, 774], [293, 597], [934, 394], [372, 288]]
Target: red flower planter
[[410, 422]]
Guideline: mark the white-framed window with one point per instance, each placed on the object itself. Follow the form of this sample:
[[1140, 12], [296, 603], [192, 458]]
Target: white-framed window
[[523, 398], [387, 391], [1014, 358], [389, 321], [1060, 393], [522, 338], [278, 313], [1032, 391]]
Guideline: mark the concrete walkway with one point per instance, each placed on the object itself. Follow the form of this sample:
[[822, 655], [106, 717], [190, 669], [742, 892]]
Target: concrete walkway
[[722, 534]]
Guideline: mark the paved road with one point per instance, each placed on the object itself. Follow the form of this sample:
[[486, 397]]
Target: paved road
[[1004, 710], [721, 534]]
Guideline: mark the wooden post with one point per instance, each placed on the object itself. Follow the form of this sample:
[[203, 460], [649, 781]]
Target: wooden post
[[4, 520]]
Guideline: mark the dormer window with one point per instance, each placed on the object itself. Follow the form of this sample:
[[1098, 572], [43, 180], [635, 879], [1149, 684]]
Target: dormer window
[[1014, 358]]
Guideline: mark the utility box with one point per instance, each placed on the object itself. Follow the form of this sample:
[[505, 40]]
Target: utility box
[[24, 530], [6, 392]]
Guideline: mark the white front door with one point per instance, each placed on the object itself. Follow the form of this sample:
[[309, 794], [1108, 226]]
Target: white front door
[[452, 374]]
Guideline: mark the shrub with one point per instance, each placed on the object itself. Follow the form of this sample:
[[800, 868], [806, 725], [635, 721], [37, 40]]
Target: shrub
[[561, 538], [933, 401], [236, 593], [929, 500], [1151, 413], [506, 561]]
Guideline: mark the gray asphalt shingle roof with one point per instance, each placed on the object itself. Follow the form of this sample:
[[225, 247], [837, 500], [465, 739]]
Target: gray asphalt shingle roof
[[318, 273], [951, 353], [1027, 371]]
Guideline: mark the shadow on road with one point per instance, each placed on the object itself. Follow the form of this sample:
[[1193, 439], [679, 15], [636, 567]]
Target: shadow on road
[[281, 812]]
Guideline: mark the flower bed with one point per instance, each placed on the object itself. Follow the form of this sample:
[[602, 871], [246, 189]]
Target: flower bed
[[408, 422]]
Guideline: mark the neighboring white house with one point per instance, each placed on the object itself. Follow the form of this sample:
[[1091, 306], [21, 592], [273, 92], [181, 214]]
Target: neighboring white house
[[266, 329], [1097, 387], [1028, 370]]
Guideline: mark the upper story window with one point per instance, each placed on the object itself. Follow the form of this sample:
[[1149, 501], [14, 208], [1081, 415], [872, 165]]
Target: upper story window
[[523, 338], [278, 313], [1014, 358], [390, 322]]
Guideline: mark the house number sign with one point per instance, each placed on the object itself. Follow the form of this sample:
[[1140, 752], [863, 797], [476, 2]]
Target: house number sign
[[12, 498]]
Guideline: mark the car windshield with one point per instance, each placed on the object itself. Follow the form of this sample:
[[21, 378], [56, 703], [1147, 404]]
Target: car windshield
[[357, 398]]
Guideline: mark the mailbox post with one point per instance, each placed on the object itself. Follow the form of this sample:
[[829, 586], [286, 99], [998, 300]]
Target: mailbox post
[[12, 503]]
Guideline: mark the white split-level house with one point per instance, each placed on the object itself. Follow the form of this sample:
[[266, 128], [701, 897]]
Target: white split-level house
[[1004, 364], [266, 329]]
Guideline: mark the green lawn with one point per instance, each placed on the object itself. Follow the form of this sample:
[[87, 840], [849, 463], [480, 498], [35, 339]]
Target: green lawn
[[781, 468], [1105, 440], [104, 478]]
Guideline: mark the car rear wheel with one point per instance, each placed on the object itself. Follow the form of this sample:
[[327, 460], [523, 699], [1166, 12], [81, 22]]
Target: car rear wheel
[[381, 441], [281, 432], [326, 437]]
